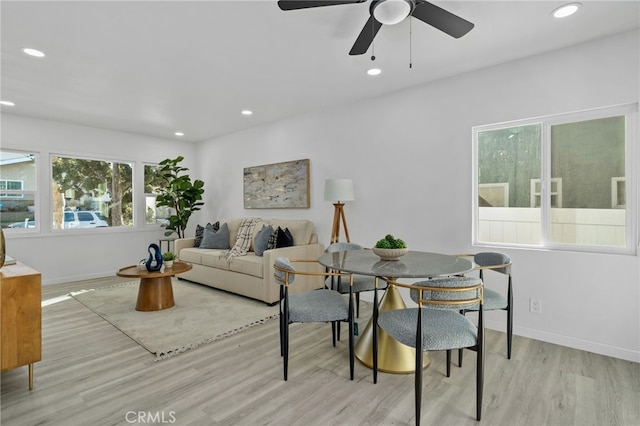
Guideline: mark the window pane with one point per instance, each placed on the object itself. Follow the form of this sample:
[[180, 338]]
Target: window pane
[[91, 193], [508, 195], [588, 157], [17, 189], [152, 181]]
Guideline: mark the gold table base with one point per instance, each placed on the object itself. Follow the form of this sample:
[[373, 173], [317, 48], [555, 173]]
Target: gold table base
[[393, 356]]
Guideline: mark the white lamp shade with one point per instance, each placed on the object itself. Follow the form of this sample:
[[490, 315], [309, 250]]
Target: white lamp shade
[[337, 190], [391, 12]]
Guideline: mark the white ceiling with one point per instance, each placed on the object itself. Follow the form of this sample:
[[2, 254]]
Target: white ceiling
[[155, 67]]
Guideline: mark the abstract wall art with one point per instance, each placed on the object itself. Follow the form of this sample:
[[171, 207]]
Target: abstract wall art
[[277, 186]]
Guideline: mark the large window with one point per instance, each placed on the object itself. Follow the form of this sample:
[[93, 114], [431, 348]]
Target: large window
[[17, 189], [560, 181], [90, 193]]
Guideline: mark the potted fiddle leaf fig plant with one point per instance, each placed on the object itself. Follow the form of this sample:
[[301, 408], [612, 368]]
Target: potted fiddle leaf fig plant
[[178, 193]]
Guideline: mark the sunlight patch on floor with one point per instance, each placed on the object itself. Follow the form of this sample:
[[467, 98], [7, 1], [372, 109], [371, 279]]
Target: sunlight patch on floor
[[62, 298]]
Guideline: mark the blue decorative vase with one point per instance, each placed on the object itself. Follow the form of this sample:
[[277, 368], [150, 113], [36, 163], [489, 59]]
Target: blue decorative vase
[[154, 263]]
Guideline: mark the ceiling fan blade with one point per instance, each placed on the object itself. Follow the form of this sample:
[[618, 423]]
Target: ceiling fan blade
[[366, 37], [439, 18], [304, 4]]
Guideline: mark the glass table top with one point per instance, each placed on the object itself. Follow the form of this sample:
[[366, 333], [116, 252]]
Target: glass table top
[[414, 264]]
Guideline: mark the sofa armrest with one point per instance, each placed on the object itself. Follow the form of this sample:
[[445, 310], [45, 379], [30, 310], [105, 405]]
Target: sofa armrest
[[181, 243], [271, 289]]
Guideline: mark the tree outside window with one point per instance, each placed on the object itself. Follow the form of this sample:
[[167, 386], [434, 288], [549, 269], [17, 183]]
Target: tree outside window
[[100, 186], [153, 181]]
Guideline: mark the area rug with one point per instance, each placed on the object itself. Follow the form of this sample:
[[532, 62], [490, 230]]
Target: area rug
[[201, 315]]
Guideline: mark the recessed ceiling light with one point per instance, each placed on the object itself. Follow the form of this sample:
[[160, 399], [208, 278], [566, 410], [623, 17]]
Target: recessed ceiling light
[[374, 71], [7, 103], [246, 112], [566, 10], [33, 52], [179, 134]]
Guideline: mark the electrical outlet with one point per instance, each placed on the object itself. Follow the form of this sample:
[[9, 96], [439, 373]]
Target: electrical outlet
[[535, 306]]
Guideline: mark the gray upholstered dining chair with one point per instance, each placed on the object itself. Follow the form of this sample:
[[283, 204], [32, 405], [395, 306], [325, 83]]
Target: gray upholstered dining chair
[[322, 305], [360, 282], [499, 263], [442, 327]]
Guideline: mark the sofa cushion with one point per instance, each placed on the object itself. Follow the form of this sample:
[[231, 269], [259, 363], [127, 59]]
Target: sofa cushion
[[200, 232], [301, 230], [215, 259], [216, 239], [191, 255], [261, 240], [234, 225], [250, 264]]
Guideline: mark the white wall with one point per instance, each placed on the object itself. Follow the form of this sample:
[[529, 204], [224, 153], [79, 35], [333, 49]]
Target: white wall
[[410, 157], [81, 254]]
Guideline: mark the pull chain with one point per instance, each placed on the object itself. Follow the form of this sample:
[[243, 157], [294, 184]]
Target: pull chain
[[410, 49], [373, 44]]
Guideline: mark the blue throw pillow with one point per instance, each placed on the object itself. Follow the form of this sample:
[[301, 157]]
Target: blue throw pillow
[[261, 241], [216, 239]]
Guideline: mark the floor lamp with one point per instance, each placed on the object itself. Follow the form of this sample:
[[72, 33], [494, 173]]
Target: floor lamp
[[337, 191]]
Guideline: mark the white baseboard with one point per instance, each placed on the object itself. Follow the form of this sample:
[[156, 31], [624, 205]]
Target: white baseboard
[[74, 278], [568, 341]]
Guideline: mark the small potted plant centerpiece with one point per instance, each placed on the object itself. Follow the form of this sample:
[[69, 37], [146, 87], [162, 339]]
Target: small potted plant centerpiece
[[390, 248], [168, 259]]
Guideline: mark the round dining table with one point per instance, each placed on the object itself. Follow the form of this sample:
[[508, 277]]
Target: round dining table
[[393, 356]]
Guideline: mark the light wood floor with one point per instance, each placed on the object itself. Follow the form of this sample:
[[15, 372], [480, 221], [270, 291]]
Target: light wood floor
[[92, 374]]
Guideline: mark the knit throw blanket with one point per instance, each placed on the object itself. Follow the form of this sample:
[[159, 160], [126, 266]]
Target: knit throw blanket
[[243, 241]]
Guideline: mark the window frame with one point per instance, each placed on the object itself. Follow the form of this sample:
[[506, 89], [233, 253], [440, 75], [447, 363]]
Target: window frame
[[168, 211], [21, 193], [630, 112], [111, 228]]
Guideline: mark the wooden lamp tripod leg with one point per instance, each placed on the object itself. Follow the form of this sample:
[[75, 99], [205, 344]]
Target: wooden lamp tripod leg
[[338, 215], [344, 222]]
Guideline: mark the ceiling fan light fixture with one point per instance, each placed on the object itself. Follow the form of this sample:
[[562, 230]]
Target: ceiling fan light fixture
[[566, 10], [391, 12], [374, 71]]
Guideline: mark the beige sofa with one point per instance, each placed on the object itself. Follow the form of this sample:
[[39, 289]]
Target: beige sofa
[[252, 275]]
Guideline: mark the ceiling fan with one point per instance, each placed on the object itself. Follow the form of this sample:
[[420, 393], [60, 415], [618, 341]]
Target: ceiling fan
[[389, 12]]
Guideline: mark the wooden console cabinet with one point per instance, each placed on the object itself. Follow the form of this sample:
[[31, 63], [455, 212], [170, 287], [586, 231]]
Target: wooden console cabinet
[[21, 317]]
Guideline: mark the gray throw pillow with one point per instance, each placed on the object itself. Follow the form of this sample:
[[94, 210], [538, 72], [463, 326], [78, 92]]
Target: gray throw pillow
[[261, 241], [216, 239], [200, 232]]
